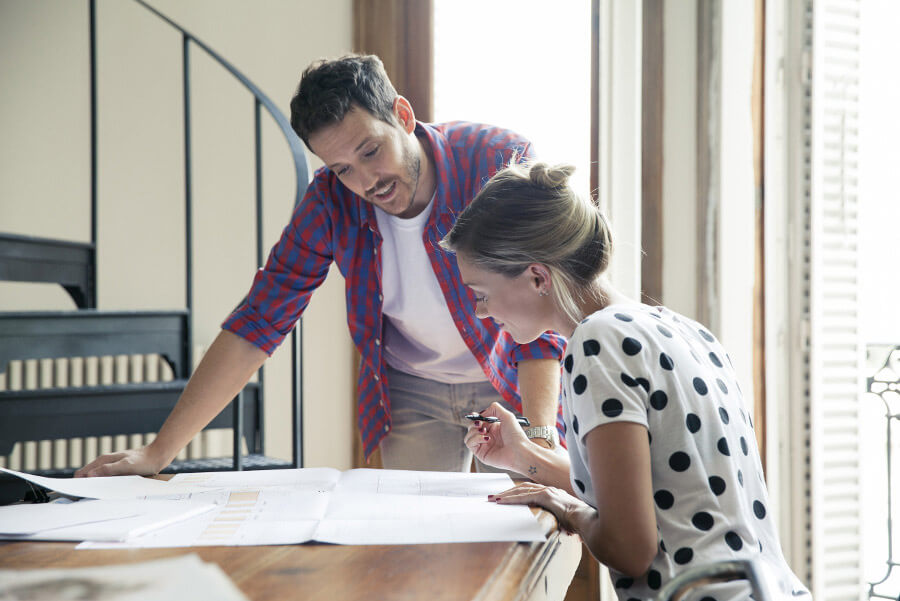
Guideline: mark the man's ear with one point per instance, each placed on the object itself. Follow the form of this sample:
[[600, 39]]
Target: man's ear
[[404, 112]]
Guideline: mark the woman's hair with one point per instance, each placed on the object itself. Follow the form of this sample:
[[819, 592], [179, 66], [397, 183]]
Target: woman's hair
[[528, 213]]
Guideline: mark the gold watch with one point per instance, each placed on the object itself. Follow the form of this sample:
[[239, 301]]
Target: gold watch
[[548, 433]]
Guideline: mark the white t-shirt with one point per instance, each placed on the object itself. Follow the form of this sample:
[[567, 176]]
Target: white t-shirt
[[420, 337], [651, 366]]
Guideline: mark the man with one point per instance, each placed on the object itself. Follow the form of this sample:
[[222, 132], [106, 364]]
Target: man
[[389, 191]]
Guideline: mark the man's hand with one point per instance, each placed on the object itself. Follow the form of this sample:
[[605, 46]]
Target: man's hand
[[140, 462]]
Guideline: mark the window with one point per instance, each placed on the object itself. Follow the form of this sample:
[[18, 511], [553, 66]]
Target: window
[[879, 287], [522, 65]]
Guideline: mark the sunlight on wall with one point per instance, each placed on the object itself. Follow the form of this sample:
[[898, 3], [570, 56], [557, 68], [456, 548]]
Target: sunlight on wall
[[523, 65]]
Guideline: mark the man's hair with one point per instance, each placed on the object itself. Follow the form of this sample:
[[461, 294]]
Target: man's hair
[[331, 88]]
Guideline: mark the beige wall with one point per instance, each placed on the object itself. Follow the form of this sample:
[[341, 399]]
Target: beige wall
[[44, 170]]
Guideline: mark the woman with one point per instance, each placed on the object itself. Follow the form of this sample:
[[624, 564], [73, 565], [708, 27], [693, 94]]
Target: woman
[[663, 471]]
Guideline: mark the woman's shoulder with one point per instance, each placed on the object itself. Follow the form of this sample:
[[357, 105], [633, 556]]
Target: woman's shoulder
[[620, 317], [634, 326]]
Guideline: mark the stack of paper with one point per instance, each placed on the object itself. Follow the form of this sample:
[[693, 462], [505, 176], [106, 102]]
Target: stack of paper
[[93, 520], [175, 578], [356, 507]]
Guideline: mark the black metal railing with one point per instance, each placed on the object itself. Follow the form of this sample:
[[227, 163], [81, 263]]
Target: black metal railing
[[261, 101], [884, 383]]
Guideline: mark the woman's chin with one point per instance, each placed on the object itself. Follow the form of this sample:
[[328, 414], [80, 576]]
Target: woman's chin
[[523, 339]]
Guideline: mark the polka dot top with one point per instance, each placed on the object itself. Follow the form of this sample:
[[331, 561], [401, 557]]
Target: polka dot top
[[651, 366]]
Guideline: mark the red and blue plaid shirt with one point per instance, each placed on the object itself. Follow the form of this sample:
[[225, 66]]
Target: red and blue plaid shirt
[[334, 224]]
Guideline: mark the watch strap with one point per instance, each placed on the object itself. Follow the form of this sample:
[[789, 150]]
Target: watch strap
[[548, 433]]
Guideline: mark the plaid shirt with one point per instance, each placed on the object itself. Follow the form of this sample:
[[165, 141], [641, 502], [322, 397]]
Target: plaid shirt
[[334, 224]]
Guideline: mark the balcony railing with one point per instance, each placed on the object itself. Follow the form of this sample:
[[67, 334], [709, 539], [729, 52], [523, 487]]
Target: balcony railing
[[883, 383]]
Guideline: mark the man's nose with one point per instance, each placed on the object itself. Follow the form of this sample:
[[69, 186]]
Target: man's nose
[[369, 180]]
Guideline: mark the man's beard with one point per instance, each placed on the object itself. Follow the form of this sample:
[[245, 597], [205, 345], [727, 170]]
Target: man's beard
[[413, 163]]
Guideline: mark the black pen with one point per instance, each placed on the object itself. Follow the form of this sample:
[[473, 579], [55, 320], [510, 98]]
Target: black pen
[[523, 421]]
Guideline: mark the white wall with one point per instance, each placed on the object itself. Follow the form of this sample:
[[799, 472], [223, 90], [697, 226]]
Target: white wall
[[44, 170]]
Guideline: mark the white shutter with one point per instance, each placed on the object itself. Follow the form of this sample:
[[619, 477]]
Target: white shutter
[[835, 365]]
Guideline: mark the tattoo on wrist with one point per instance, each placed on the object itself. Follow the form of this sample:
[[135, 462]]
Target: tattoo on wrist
[[532, 470]]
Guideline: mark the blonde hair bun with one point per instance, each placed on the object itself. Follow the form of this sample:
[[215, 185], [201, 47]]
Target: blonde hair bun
[[550, 177]]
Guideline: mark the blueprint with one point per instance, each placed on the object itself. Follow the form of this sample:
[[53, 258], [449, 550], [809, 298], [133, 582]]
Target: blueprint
[[355, 507]]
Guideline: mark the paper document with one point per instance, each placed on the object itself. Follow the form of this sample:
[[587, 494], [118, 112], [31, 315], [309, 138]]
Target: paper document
[[93, 519], [116, 487], [356, 507], [174, 578]]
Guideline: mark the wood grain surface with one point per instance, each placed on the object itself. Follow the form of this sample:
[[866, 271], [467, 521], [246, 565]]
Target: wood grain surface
[[478, 571]]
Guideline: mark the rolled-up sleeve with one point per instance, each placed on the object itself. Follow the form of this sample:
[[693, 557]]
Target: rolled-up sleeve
[[548, 346], [297, 265]]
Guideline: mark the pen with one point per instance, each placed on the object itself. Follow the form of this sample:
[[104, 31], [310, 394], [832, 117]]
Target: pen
[[523, 421]]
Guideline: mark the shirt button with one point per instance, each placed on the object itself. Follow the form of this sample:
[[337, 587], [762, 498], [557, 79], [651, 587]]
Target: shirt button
[[387, 429], [376, 251], [380, 297], [376, 377], [377, 342]]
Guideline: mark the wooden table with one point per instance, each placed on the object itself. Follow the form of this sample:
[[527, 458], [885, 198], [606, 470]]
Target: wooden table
[[476, 571]]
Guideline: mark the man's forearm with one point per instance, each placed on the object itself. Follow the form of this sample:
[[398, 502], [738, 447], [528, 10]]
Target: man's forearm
[[539, 389], [226, 367]]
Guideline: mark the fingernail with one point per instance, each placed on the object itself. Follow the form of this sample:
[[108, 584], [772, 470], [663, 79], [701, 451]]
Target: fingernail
[[487, 437]]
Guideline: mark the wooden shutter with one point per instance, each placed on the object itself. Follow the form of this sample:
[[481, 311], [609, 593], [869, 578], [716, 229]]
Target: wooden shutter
[[834, 366]]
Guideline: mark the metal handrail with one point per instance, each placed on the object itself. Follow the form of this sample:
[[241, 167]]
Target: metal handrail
[[301, 170], [293, 141]]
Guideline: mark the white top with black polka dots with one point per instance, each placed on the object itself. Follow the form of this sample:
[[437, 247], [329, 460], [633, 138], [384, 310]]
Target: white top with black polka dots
[[651, 366]]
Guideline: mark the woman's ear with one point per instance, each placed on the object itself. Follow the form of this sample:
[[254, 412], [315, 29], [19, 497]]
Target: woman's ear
[[404, 112], [540, 278]]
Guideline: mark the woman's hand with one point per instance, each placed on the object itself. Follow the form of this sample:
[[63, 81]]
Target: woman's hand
[[141, 462], [499, 444], [558, 502]]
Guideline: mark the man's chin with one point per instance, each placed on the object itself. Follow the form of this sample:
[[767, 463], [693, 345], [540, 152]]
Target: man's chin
[[395, 207]]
